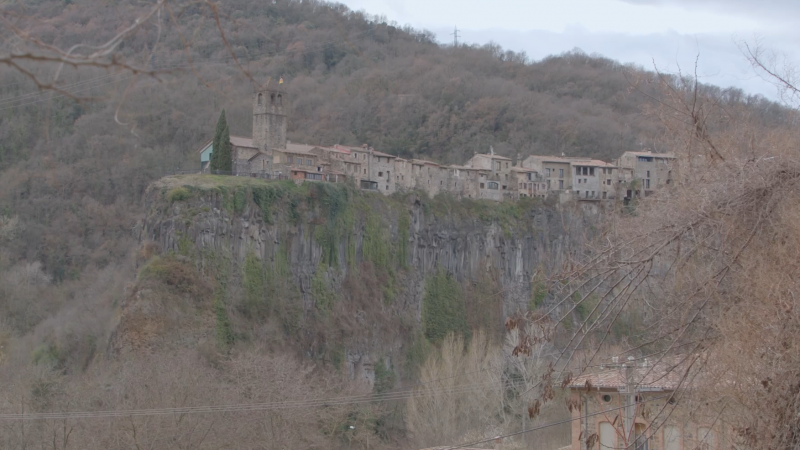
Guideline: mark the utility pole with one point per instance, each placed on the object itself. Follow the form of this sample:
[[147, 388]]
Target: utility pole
[[455, 37]]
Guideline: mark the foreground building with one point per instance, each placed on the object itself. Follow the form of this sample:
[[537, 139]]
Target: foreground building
[[268, 154], [632, 406]]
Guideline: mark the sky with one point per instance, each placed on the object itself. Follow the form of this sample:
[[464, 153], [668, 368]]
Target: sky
[[668, 34]]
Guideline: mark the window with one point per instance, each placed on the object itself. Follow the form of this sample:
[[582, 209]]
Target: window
[[387, 187], [308, 162], [608, 181], [647, 184], [506, 165], [645, 159], [560, 173], [365, 171], [388, 175], [607, 436], [547, 171], [380, 174], [260, 98], [482, 186], [504, 187], [648, 174], [379, 159], [672, 438], [493, 185], [561, 184], [592, 194], [579, 181], [604, 194], [313, 176], [298, 160], [591, 171]]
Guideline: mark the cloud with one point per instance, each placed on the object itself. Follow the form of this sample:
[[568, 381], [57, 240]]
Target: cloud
[[770, 8], [720, 61]]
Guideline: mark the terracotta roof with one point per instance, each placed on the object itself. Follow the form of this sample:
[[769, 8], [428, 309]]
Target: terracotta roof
[[302, 149], [242, 142], [660, 377], [377, 153]]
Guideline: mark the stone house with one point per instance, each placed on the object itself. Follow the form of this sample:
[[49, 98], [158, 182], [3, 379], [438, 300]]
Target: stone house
[[620, 406], [494, 176], [375, 170], [644, 172], [529, 182], [555, 171], [593, 180]]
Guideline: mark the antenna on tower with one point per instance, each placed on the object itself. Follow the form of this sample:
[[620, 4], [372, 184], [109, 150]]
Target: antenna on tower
[[455, 36]]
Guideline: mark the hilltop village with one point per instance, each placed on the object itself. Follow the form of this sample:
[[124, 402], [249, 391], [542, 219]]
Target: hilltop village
[[484, 176]]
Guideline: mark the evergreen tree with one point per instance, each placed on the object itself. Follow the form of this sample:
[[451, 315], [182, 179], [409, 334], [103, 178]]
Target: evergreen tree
[[225, 158], [222, 125]]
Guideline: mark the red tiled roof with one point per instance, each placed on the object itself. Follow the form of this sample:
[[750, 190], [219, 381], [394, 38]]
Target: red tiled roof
[[661, 376]]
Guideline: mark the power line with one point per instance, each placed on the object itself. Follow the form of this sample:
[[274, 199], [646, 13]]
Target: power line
[[339, 401], [551, 424]]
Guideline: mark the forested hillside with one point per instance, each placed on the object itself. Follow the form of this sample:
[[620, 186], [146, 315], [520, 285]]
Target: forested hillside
[[73, 173], [107, 303]]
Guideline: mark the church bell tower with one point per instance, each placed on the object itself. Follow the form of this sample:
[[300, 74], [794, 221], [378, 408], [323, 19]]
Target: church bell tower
[[269, 119]]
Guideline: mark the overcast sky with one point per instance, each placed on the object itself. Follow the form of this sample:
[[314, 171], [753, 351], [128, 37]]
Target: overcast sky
[[671, 32]]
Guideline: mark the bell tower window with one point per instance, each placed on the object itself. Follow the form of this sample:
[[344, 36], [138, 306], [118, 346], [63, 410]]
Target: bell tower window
[[272, 98], [260, 98], [280, 100]]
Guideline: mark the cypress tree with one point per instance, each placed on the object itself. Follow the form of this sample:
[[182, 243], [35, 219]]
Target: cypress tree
[[225, 158], [222, 125]]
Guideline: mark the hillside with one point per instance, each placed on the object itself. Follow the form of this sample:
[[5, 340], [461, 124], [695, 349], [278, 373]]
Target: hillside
[[121, 288], [74, 173]]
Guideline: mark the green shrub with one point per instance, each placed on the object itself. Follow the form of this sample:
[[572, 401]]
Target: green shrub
[[443, 310], [224, 330], [178, 194], [385, 377], [403, 232], [47, 355], [239, 200], [254, 284], [375, 247], [324, 297]]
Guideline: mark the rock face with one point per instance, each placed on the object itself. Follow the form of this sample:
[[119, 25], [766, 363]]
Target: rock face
[[472, 243]]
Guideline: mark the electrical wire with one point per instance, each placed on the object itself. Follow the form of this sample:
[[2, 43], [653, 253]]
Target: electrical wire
[[339, 401], [541, 427]]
